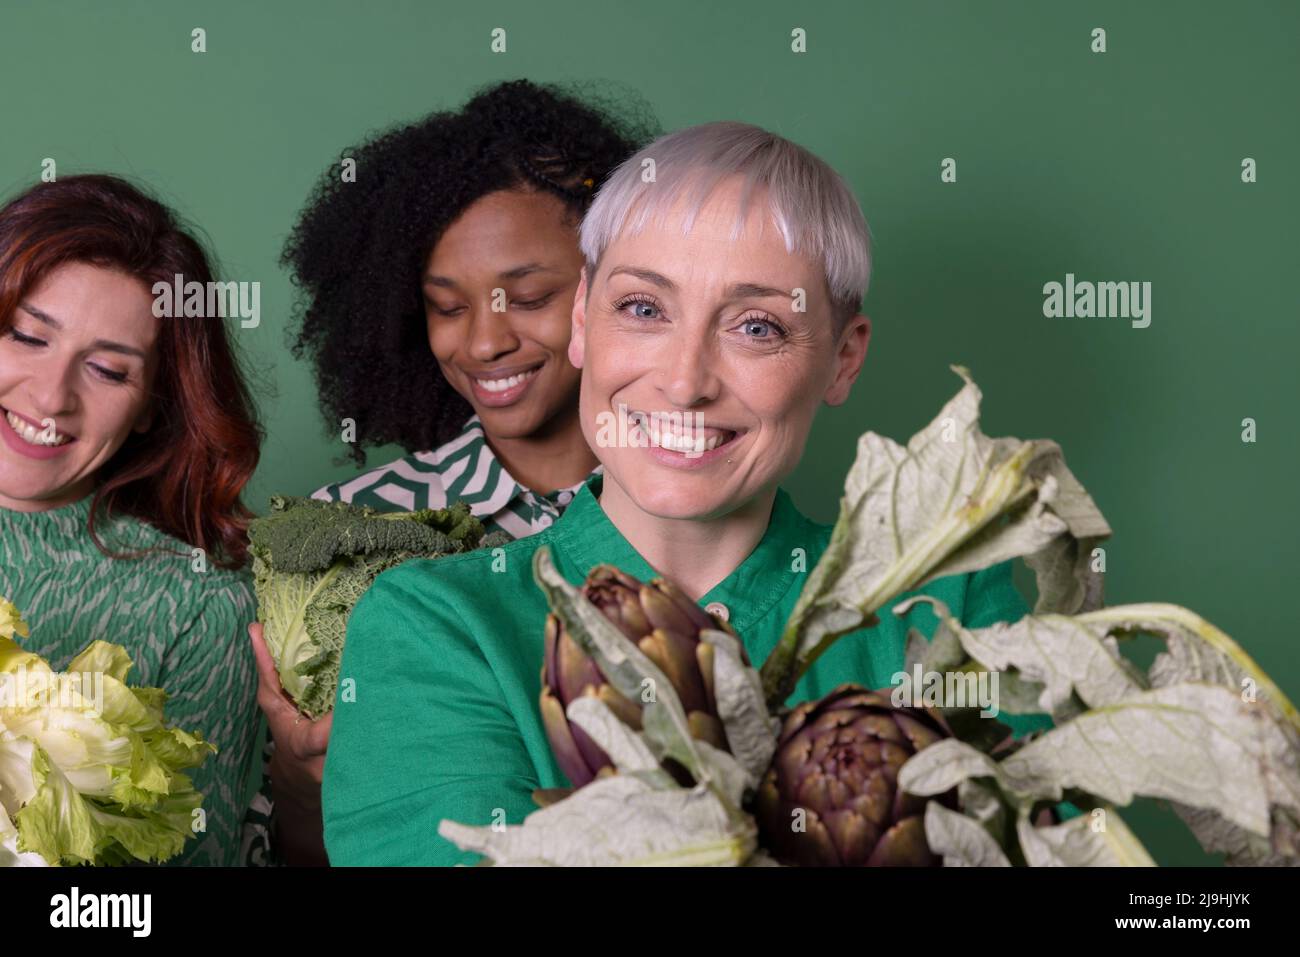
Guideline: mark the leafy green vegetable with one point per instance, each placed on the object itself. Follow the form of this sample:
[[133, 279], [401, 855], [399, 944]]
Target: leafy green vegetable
[[1203, 728], [953, 500], [89, 773], [313, 560]]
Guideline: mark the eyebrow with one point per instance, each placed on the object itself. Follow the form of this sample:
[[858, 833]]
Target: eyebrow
[[516, 272], [104, 345], [739, 290]]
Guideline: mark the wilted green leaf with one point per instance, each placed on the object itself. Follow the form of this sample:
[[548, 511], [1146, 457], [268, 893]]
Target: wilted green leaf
[[961, 841], [952, 501], [1198, 744], [618, 820], [1076, 843], [751, 731]]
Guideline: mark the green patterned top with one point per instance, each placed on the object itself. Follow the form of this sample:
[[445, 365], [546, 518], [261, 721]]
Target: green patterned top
[[185, 630], [463, 469]]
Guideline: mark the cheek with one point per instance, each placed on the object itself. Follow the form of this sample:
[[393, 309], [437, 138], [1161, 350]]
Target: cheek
[[11, 365], [781, 397], [109, 420], [443, 336], [614, 361], [552, 329]]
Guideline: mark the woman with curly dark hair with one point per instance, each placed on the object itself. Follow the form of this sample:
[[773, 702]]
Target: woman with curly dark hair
[[126, 439], [437, 265]]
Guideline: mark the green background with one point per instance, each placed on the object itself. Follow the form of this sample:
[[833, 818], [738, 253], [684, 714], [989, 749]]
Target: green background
[[1116, 166]]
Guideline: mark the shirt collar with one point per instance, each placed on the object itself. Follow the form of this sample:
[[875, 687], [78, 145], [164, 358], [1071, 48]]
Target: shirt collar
[[586, 537], [492, 499]]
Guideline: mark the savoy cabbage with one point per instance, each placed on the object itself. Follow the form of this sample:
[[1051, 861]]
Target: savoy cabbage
[[312, 561]]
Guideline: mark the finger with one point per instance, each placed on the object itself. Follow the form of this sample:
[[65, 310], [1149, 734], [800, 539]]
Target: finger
[[265, 663], [270, 696], [266, 667]]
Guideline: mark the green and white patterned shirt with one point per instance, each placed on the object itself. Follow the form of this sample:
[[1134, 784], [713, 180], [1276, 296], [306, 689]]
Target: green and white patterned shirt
[[463, 469]]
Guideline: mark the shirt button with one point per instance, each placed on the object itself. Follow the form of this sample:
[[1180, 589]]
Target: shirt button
[[719, 609], [564, 498]]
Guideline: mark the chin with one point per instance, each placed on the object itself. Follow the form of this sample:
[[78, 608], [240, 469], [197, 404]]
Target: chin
[[511, 422], [27, 494], [694, 498], [20, 485]]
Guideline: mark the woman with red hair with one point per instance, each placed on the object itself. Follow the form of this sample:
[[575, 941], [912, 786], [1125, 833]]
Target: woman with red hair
[[126, 438]]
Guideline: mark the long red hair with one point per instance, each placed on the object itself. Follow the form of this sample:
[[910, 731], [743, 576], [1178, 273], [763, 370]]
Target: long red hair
[[186, 474]]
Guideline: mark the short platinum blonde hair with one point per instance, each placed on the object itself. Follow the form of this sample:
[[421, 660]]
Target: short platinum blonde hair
[[813, 207]]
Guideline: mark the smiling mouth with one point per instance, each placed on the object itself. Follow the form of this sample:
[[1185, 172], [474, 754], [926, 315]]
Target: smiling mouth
[[35, 434], [501, 384], [676, 433]]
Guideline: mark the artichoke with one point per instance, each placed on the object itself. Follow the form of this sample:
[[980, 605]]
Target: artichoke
[[837, 762], [665, 624]]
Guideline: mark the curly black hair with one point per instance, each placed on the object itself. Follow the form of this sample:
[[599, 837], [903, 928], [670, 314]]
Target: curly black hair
[[358, 249]]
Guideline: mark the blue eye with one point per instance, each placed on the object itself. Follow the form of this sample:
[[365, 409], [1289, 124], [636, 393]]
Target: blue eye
[[644, 307], [759, 328]]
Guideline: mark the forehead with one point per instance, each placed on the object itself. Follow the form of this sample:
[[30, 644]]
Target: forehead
[[96, 302], [507, 223], [714, 239]]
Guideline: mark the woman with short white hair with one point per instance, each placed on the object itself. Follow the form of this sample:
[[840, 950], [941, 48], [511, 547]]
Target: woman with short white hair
[[719, 308]]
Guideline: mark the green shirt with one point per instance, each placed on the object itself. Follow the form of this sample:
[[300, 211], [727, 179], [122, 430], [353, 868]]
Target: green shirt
[[186, 632], [463, 469], [446, 657]]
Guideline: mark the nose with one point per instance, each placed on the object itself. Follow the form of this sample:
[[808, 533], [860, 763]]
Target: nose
[[52, 391], [490, 335], [689, 369]]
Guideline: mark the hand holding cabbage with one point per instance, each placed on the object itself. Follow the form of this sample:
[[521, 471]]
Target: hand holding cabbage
[[312, 562]]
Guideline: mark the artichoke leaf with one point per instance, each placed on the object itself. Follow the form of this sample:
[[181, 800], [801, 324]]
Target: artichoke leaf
[[945, 764], [961, 841], [729, 777], [1240, 847], [625, 747], [1062, 654], [980, 800], [1195, 651], [1065, 582], [941, 652], [1080, 842], [952, 501], [627, 669], [620, 820], [751, 731], [1195, 743]]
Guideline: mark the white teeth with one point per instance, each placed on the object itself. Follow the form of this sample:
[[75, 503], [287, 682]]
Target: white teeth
[[500, 385], [32, 435], [675, 441]]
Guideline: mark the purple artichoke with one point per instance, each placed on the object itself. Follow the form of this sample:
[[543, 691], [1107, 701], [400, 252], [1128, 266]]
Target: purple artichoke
[[665, 624], [830, 796]]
